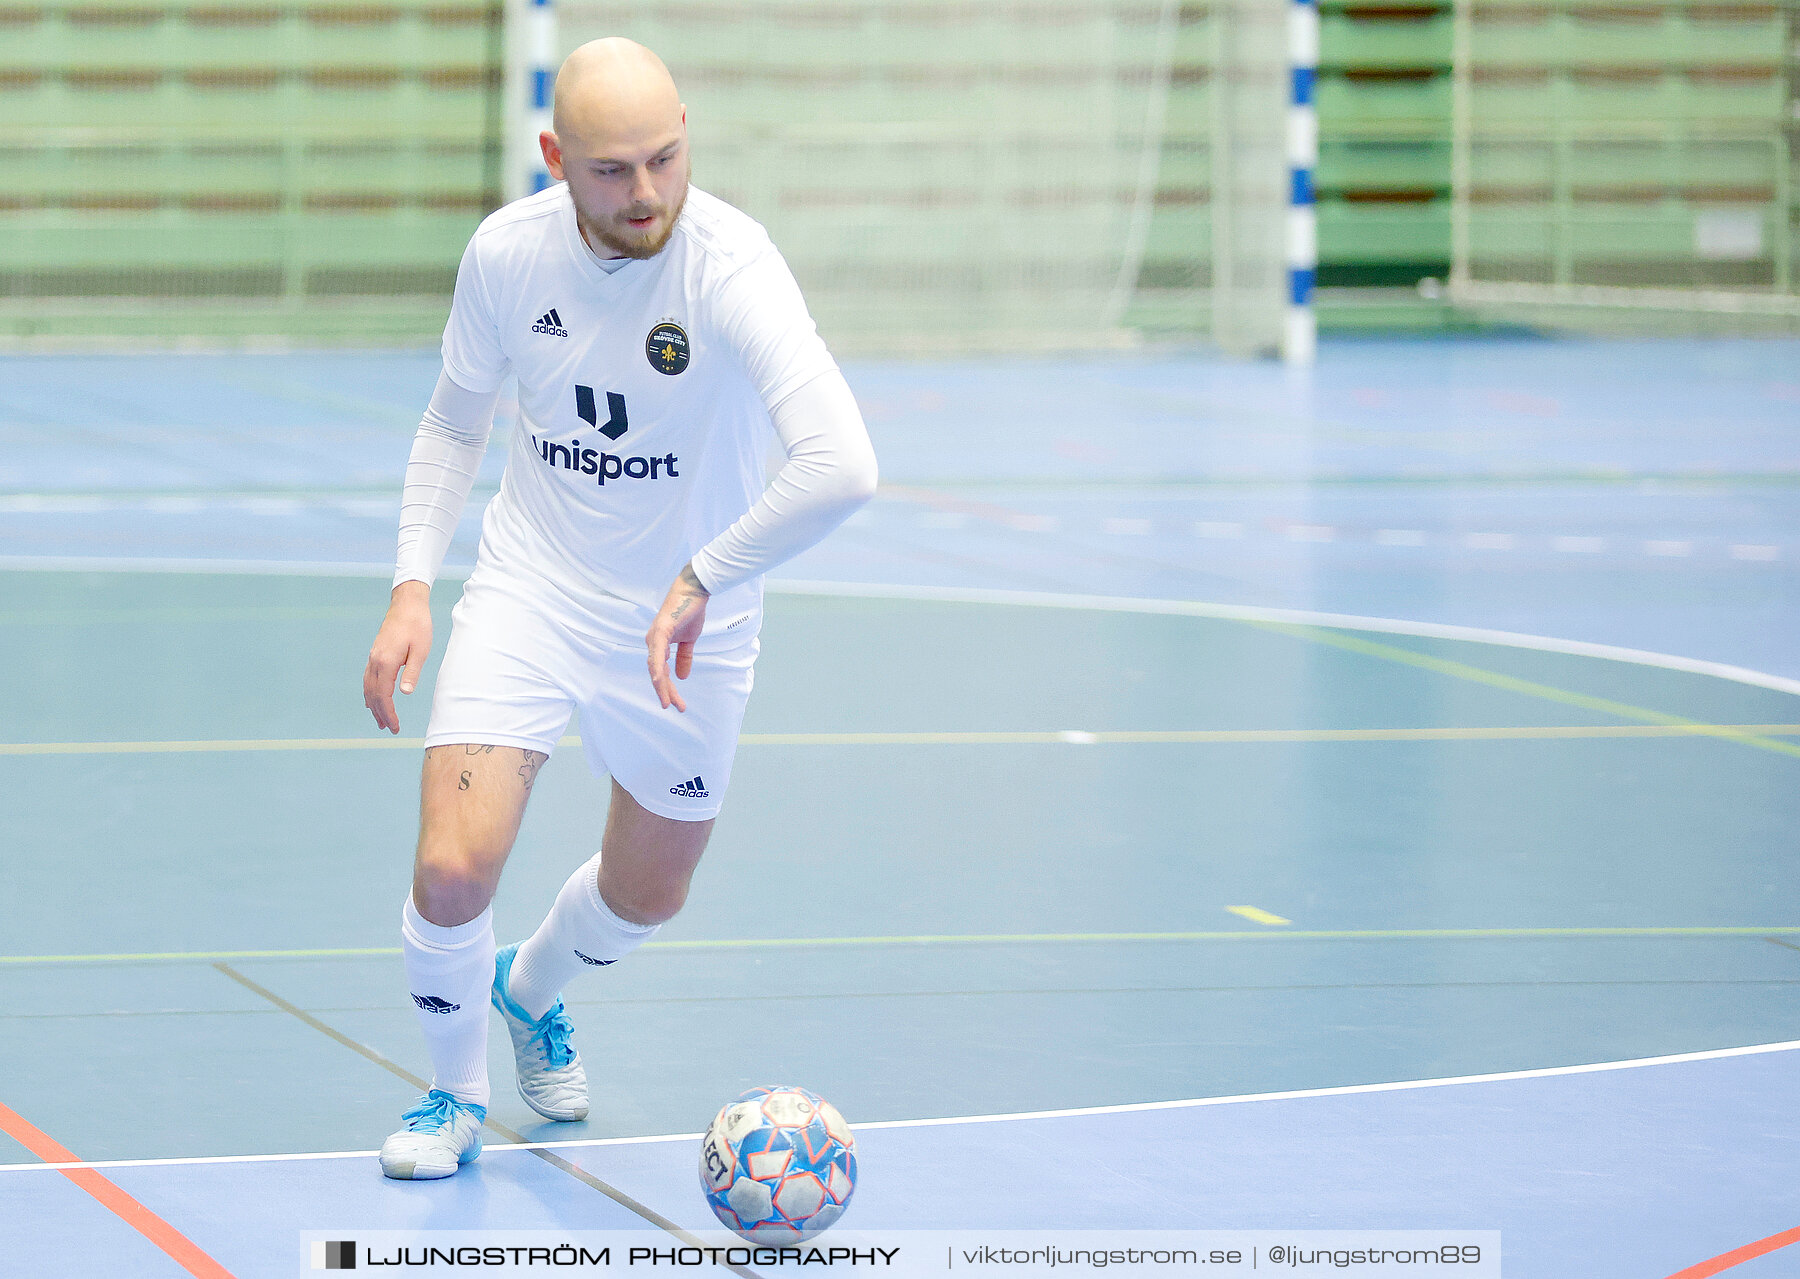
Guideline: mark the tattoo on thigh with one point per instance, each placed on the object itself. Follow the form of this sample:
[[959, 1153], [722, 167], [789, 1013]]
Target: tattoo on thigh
[[528, 769]]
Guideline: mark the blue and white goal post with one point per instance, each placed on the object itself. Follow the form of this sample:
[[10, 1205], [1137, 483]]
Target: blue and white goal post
[[1300, 332], [531, 64]]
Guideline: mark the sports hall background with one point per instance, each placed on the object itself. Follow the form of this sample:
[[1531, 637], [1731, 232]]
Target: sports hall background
[[1367, 787], [309, 172]]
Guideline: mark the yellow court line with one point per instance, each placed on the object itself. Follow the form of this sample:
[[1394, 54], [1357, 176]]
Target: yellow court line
[[1257, 915], [1747, 735], [1753, 733], [979, 939]]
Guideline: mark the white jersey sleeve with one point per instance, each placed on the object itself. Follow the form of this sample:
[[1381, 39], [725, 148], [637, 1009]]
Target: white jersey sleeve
[[764, 321], [830, 471], [446, 455], [473, 354]]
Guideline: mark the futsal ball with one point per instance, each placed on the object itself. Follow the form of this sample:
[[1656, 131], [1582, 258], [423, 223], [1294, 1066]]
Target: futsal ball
[[778, 1165]]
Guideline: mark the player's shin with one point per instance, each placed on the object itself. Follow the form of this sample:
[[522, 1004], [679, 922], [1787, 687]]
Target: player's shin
[[581, 932], [448, 972]]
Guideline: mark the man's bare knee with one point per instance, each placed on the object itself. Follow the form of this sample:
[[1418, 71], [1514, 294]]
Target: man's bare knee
[[643, 904], [452, 885]]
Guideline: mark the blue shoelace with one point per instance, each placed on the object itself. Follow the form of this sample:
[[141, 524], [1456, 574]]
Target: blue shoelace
[[554, 1032], [435, 1111]]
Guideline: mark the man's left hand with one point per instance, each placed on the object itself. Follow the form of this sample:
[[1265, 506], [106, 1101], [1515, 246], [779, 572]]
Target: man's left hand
[[677, 623]]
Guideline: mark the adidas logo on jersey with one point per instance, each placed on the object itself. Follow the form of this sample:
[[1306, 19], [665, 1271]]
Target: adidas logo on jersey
[[694, 789], [589, 959], [432, 1004], [550, 322]]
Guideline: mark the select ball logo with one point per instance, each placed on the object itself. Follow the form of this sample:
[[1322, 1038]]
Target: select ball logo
[[667, 348]]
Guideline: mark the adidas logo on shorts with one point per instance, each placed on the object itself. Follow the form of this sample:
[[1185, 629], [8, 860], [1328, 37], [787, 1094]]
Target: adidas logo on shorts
[[589, 959], [432, 1004], [694, 789], [550, 322]]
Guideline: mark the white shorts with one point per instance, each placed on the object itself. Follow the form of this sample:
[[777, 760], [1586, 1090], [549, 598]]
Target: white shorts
[[512, 676]]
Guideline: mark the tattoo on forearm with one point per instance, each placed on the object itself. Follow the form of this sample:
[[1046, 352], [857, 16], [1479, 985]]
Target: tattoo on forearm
[[528, 770], [464, 783], [473, 748], [681, 608], [689, 579]]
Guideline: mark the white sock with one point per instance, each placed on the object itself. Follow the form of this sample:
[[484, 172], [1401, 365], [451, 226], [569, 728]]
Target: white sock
[[449, 972], [579, 933]]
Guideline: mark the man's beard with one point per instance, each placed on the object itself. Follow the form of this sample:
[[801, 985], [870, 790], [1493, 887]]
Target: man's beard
[[620, 239]]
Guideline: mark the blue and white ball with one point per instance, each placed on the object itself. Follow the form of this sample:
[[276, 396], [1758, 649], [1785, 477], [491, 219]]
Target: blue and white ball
[[778, 1165]]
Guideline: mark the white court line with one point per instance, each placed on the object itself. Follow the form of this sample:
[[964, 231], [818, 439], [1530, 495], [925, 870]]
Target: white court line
[[1490, 541], [1257, 613], [1407, 1085], [1029, 599]]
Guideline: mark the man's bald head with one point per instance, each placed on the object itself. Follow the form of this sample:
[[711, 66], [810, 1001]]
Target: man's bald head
[[612, 89], [620, 141]]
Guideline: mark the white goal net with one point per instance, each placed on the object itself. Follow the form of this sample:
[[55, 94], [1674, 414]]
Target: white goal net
[[941, 174]]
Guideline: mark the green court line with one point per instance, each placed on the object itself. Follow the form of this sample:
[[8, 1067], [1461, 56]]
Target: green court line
[[1446, 734], [969, 939], [1677, 728], [205, 746], [1512, 684]]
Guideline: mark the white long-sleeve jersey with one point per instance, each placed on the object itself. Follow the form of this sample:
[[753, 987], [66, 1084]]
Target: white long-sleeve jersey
[[646, 395]]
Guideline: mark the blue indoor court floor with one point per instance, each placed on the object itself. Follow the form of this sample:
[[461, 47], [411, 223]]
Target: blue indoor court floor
[[1218, 799]]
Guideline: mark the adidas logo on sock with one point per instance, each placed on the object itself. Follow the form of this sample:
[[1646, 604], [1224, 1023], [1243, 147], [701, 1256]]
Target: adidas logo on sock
[[550, 322], [694, 789], [589, 959], [432, 1004]]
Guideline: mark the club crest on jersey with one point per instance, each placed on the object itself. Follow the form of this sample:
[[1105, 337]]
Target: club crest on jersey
[[667, 348]]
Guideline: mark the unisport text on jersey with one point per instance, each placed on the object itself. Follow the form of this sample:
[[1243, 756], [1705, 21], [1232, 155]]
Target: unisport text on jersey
[[604, 466]]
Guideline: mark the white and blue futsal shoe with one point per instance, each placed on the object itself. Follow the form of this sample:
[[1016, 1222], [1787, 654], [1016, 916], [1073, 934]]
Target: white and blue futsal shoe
[[551, 1079], [440, 1136]]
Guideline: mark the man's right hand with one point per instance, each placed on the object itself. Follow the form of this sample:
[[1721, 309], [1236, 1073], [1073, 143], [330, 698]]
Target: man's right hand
[[401, 647]]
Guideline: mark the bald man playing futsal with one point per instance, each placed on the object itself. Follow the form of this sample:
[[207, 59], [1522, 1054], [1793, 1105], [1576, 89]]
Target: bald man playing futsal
[[657, 336]]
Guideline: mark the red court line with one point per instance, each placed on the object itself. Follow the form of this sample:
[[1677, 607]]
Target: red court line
[[1726, 1260], [185, 1251]]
